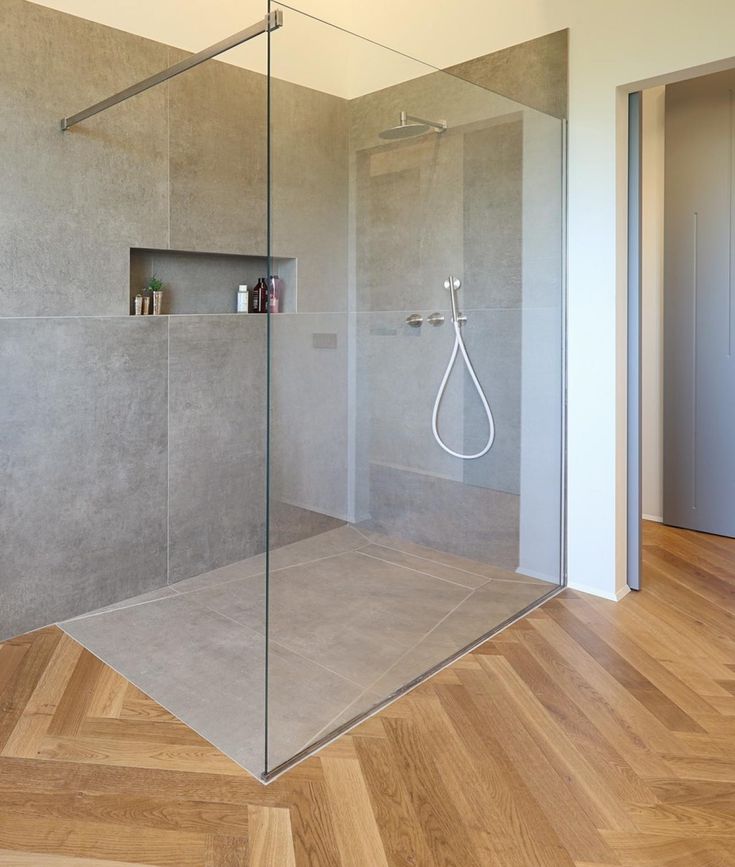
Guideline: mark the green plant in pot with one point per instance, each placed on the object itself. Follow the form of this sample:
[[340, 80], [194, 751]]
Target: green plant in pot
[[155, 287]]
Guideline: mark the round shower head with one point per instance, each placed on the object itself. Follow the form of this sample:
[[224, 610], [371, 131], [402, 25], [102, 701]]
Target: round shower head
[[411, 127]]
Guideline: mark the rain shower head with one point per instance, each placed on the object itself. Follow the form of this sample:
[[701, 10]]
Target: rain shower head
[[411, 127]]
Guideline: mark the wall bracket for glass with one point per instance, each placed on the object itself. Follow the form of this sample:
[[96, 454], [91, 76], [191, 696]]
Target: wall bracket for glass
[[272, 21]]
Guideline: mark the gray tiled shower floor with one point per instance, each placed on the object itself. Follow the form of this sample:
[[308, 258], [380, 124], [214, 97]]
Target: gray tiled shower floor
[[353, 616]]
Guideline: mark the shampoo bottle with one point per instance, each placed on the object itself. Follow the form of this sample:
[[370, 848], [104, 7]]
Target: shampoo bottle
[[243, 299], [274, 294], [254, 299]]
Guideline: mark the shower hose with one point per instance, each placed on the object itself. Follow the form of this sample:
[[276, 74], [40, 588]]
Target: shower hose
[[459, 347]]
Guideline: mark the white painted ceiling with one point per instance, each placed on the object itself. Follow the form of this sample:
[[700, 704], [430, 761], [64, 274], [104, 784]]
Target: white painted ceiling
[[311, 53]]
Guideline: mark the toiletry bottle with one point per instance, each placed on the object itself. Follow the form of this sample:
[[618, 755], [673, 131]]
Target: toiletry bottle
[[274, 294], [243, 299], [262, 295], [254, 299]]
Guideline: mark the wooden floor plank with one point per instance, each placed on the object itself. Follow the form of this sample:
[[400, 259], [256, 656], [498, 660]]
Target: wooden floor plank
[[588, 734], [270, 840], [357, 834]]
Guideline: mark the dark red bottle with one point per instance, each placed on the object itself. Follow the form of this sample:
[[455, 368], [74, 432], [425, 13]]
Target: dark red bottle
[[258, 301]]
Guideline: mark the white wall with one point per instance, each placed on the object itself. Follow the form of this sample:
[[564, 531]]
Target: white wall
[[612, 44], [652, 287]]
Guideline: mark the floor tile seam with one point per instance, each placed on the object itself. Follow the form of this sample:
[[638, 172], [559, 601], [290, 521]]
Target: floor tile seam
[[525, 582], [370, 686], [428, 559], [328, 727], [118, 607], [259, 574], [416, 571], [413, 647], [283, 646]]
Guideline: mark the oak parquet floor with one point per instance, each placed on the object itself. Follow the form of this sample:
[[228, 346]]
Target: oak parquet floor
[[587, 735]]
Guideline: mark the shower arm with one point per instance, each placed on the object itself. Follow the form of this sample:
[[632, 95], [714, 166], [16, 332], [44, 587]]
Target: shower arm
[[412, 118], [272, 21]]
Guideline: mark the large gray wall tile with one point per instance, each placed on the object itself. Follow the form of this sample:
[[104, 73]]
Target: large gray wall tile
[[446, 515], [493, 211], [535, 73], [409, 222], [310, 191], [75, 202], [399, 372], [83, 444], [493, 340], [309, 411], [218, 160], [216, 441]]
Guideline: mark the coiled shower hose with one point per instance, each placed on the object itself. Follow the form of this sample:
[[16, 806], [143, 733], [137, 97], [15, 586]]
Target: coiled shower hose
[[459, 347]]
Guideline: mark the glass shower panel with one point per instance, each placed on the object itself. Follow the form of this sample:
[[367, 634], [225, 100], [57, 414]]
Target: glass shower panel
[[416, 373]]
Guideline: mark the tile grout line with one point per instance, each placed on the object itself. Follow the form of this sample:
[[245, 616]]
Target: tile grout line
[[370, 686], [260, 574], [120, 606], [282, 646], [421, 572], [421, 557]]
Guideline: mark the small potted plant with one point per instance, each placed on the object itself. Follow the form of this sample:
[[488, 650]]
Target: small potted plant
[[155, 287]]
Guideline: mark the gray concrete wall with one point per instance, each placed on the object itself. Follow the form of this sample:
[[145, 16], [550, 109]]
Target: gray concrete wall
[[469, 202], [133, 450]]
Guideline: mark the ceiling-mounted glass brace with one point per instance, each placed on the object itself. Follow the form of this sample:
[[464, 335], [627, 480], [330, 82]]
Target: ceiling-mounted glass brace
[[272, 21]]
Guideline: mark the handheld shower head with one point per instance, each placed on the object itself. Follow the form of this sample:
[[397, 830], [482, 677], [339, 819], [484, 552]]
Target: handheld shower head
[[412, 127], [453, 285]]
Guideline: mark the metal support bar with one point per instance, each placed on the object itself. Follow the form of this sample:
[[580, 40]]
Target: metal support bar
[[272, 21]]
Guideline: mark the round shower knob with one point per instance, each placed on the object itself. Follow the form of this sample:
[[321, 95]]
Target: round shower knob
[[435, 319], [415, 320], [453, 283]]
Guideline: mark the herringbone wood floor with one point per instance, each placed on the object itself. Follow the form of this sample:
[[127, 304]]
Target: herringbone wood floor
[[588, 734]]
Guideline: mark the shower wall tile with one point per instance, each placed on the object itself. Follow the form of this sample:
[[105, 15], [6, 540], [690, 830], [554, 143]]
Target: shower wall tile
[[218, 159], [543, 212], [534, 72], [493, 214], [218, 175], [83, 472], [310, 191], [409, 222], [449, 516], [75, 202], [310, 411], [217, 375], [399, 370], [493, 340]]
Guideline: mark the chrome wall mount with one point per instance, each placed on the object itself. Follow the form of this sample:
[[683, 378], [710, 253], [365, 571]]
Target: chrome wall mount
[[272, 21], [453, 285]]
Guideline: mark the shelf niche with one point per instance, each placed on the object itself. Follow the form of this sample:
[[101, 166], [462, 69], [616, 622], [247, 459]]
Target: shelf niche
[[206, 282]]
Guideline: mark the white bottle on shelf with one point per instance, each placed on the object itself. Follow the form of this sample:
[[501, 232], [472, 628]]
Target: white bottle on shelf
[[242, 298]]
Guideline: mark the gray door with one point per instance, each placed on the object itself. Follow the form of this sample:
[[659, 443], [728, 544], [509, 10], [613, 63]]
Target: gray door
[[699, 339]]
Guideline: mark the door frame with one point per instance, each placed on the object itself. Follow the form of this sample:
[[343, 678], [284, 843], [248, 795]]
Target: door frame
[[634, 476], [632, 206]]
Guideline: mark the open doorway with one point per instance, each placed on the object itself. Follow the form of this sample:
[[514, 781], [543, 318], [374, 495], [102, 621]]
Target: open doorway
[[682, 323]]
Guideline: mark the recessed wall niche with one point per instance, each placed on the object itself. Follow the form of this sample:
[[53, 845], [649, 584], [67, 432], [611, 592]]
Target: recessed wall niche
[[207, 282]]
